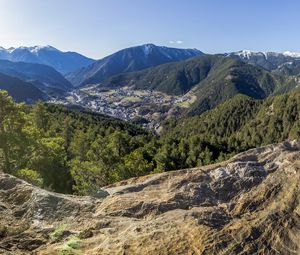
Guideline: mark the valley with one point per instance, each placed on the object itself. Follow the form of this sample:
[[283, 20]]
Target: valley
[[145, 107], [113, 145], [149, 128]]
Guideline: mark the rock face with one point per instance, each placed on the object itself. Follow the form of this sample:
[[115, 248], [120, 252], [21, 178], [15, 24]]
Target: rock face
[[247, 205]]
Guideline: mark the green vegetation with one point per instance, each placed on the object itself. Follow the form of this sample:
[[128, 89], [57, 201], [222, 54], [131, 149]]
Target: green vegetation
[[237, 125], [58, 232], [78, 152], [67, 150], [31, 176], [213, 78], [71, 246]]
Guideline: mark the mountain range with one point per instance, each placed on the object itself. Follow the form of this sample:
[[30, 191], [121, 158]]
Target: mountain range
[[286, 62], [218, 172], [63, 62], [211, 78]]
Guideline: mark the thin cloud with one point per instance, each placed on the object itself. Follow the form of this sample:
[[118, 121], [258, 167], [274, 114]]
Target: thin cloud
[[176, 42]]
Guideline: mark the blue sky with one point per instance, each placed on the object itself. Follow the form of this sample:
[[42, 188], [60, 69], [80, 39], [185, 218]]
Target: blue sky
[[97, 28]]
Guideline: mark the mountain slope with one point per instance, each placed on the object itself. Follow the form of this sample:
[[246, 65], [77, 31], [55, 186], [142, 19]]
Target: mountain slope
[[242, 122], [212, 78], [247, 205], [128, 60], [46, 76], [234, 78], [20, 90], [63, 62]]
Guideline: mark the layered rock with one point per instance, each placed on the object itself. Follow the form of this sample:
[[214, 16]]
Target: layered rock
[[247, 205]]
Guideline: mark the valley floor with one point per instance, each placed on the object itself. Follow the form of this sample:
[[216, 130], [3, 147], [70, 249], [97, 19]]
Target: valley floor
[[146, 107]]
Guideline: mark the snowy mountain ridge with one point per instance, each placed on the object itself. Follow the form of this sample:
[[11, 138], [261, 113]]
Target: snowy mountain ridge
[[63, 62], [247, 54]]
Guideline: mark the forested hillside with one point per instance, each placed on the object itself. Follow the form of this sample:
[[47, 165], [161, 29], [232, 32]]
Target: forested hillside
[[213, 79], [65, 150], [21, 91], [78, 152]]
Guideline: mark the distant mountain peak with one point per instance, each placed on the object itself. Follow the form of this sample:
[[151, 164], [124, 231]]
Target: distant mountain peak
[[287, 62], [154, 46], [292, 54], [131, 59], [249, 53], [37, 48], [33, 49], [64, 62], [245, 53], [147, 48], [149, 45]]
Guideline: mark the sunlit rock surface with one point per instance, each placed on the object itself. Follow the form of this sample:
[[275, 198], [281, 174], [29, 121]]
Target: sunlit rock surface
[[247, 205]]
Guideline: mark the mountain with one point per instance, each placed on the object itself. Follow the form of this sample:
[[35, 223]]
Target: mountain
[[286, 62], [20, 90], [243, 122], [246, 205], [45, 77], [63, 62], [212, 78], [129, 60]]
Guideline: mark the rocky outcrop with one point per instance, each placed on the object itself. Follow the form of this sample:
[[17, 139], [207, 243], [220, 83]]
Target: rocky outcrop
[[247, 205]]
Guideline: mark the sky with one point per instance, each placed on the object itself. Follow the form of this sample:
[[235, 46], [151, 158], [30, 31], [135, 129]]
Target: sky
[[97, 28]]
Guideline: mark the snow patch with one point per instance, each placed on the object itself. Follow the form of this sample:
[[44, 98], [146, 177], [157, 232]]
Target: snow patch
[[265, 54], [34, 49], [245, 53], [292, 54], [147, 48], [248, 54]]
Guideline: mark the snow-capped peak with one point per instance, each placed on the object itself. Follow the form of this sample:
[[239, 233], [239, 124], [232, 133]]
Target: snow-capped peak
[[37, 48], [33, 49], [248, 53], [245, 53], [8, 51], [292, 54], [147, 48], [11, 49]]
